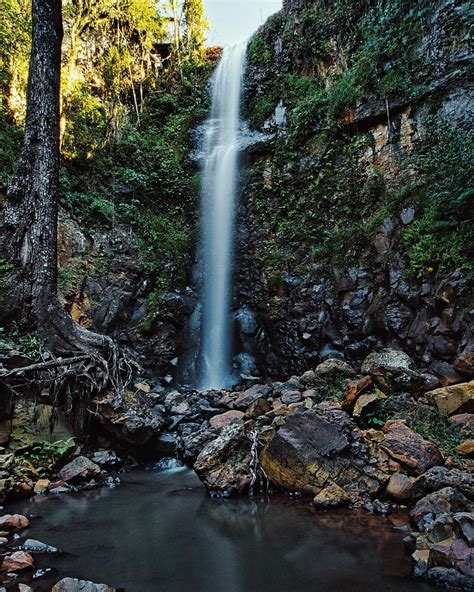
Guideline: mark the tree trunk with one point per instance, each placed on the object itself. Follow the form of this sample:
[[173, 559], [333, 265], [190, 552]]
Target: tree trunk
[[29, 217]]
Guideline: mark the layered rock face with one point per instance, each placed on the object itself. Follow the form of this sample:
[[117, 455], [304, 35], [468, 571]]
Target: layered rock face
[[333, 254]]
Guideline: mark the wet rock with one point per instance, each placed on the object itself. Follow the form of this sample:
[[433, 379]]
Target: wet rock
[[332, 367], [13, 522], [440, 502], [232, 416], [74, 585], [34, 546], [18, 561], [23, 588], [409, 448], [440, 477], [399, 487], [166, 444], [331, 497], [106, 459], [165, 464], [318, 448], [80, 469], [223, 465], [458, 398]]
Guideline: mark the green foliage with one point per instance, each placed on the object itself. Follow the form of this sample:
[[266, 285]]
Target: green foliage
[[45, 455], [442, 236], [29, 344], [430, 424]]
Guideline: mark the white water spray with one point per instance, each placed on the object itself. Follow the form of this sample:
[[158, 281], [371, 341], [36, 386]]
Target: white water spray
[[219, 189]]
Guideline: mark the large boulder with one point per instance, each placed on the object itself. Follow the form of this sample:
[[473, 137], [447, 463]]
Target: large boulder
[[224, 464], [251, 395], [409, 448], [446, 500], [75, 585], [79, 469], [438, 478], [393, 371], [320, 448], [457, 398]]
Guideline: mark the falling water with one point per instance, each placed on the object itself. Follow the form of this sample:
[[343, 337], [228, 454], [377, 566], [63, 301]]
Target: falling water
[[219, 188]]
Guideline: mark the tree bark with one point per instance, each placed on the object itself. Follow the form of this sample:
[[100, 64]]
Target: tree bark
[[29, 217]]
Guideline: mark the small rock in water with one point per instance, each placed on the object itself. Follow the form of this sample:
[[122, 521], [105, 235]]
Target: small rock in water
[[74, 585], [81, 468], [34, 546], [41, 486], [168, 463], [18, 561], [12, 522]]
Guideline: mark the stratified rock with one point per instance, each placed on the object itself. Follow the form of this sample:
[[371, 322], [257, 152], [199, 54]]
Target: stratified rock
[[13, 522], [440, 502], [409, 448], [18, 561], [440, 477], [332, 367], [319, 448], [79, 469], [73, 585], [458, 398], [232, 416], [399, 487], [290, 396], [393, 371], [223, 465], [331, 497]]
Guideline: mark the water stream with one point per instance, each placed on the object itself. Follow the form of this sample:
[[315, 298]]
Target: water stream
[[219, 189], [161, 531]]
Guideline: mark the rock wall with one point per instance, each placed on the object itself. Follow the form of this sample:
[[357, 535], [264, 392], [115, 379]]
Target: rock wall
[[362, 292]]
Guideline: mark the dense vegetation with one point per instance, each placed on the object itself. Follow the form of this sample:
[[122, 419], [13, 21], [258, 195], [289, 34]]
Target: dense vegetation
[[328, 193], [134, 82]]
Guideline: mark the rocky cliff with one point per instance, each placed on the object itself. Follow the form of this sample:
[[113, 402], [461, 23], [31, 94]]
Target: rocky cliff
[[355, 227]]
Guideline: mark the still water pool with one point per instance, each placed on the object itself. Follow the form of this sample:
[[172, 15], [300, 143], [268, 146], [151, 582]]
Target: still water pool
[[159, 531]]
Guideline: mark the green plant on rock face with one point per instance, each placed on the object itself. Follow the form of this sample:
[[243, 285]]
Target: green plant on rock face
[[45, 455], [443, 233]]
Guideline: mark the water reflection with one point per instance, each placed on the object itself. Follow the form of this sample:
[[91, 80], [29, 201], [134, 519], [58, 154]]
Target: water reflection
[[159, 531]]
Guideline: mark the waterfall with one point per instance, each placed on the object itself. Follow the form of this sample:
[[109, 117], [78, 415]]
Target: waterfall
[[219, 190]]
